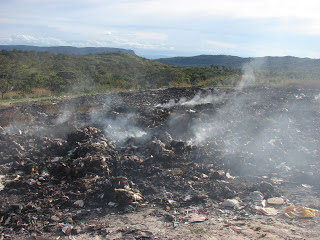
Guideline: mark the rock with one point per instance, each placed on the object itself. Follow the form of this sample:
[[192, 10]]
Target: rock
[[256, 196], [55, 218], [79, 203], [231, 203], [267, 189], [128, 196]]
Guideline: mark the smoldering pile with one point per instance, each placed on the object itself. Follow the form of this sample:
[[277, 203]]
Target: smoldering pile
[[169, 147]]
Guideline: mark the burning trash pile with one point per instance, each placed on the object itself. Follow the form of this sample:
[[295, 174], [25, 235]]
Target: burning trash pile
[[173, 148]]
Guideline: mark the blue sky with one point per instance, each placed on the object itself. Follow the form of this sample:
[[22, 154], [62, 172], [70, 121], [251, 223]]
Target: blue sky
[[246, 28]]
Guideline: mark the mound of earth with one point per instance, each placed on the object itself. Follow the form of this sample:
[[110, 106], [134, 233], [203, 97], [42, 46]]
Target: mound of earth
[[180, 163]]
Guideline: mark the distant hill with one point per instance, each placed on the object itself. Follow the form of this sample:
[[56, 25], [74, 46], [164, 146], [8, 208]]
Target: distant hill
[[263, 69], [65, 49], [205, 61], [283, 63]]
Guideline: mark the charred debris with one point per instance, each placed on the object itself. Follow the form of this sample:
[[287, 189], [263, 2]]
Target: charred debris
[[172, 148]]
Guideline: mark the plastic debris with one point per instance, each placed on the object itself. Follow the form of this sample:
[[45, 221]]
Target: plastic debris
[[197, 218], [258, 198], [235, 229], [299, 212], [57, 171], [111, 204], [1, 183], [79, 203], [275, 201], [66, 229], [269, 211], [228, 175]]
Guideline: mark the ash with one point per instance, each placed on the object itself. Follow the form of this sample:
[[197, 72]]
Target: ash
[[181, 148]]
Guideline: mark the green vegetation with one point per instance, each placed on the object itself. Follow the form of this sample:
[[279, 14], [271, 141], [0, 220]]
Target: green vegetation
[[25, 73], [266, 70], [206, 61]]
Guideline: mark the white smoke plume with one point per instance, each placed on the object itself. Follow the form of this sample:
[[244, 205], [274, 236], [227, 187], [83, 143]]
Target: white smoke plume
[[198, 99], [257, 126], [118, 125], [249, 73]]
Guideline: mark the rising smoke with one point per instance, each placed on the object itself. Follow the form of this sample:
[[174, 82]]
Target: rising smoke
[[117, 125], [262, 126]]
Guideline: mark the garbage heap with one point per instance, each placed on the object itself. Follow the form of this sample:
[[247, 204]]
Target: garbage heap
[[58, 165]]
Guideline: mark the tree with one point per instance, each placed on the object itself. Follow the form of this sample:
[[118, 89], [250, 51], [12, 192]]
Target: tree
[[4, 86]]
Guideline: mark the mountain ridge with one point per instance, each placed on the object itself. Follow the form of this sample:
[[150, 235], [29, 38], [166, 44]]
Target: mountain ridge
[[273, 62], [65, 49]]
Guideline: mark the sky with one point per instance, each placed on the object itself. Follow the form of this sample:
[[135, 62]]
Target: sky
[[167, 28]]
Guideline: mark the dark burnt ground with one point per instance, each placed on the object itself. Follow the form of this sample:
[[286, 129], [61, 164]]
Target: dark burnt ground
[[174, 148]]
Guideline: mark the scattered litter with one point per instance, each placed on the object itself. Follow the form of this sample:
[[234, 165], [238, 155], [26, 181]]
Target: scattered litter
[[56, 172], [257, 197], [299, 212], [269, 211], [111, 204], [66, 229], [276, 180], [228, 175], [197, 218], [275, 201], [79, 203], [237, 230], [1, 184], [283, 167]]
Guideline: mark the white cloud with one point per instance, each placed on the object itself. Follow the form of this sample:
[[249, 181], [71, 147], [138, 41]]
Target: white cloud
[[151, 35], [221, 44], [231, 8], [29, 39], [242, 27], [110, 40], [285, 12]]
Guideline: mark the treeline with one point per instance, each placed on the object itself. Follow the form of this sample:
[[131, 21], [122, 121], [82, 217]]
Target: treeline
[[269, 70], [24, 71]]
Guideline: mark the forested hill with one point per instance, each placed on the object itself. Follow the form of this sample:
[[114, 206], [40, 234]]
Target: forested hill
[[283, 63], [65, 49], [272, 70], [205, 61], [24, 71]]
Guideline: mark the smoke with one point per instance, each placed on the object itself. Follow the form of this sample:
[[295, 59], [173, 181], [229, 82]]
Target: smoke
[[122, 127], [249, 73], [65, 115], [256, 129], [118, 123], [198, 99]]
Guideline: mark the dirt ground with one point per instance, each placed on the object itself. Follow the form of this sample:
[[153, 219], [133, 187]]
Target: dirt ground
[[180, 163]]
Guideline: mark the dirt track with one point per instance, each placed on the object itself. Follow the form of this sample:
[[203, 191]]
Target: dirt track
[[187, 163]]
